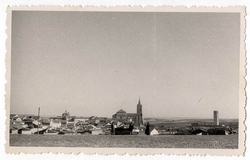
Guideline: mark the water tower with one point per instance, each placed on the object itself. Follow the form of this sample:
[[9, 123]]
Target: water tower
[[216, 118]]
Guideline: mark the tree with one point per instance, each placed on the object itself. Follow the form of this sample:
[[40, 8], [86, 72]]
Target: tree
[[112, 128], [147, 129], [31, 126], [131, 127]]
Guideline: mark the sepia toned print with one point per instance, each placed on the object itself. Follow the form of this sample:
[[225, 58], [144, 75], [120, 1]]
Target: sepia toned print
[[125, 80]]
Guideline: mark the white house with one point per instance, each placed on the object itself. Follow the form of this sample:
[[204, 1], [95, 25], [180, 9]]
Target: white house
[[80, 119], [96, 131], [55, 123], [154, 132], [18, 119]]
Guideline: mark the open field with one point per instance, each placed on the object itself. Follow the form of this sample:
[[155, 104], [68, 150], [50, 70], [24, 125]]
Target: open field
[[126, 141], [185, 121]]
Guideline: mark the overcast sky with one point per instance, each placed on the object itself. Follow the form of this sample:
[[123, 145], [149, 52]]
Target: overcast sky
[[95, 63]]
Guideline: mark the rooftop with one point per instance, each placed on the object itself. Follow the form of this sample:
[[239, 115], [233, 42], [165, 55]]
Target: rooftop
[[121, 111]]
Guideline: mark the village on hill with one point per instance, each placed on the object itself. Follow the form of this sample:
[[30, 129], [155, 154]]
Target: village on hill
[[121, 123]]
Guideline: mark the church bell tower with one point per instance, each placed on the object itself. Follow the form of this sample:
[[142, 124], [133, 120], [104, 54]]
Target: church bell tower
[[139, 112]]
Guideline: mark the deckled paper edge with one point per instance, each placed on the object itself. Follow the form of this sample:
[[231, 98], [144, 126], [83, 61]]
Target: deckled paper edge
[[133, 151]]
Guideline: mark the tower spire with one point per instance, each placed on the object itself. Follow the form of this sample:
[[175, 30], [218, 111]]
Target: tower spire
[[139, 112]]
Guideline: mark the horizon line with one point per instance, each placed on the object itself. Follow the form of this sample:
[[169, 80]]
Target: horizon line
[[143, 118]]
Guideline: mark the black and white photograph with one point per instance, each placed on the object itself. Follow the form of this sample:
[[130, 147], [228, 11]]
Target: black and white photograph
[[131, 79]]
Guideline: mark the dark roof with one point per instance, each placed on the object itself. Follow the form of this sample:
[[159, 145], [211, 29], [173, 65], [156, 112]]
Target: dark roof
[[121, 111], [92, 117], [80, 130], [45, 120], [103, 117], [25, 115], [53, 117], [63, 122], [15, 118], [45, 123], [17, 125], [36, 117], [13, 115], [81, 123], [81, 118], [131, 114], [28, 120], [56, 121], [21, 116], [72, 116]]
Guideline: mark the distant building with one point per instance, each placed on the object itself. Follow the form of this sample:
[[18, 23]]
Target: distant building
[[13, 116], [218, 131], [122, 116], [154, 132], [93, 120], [80, 119], [17, 119], [55, 123], [28, 121], [65, 114], [200, 131], [70, 125], [96, 131], [64, 123], [216, 118], [45, 122], [103, 119]]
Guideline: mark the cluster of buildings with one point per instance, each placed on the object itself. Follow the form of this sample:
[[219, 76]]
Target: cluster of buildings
[[197, 128], [67, 124], [120, 123], [187, 130], [136, 118]]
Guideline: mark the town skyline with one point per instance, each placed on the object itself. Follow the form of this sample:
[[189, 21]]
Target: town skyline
[[96, 63], [174, 117]]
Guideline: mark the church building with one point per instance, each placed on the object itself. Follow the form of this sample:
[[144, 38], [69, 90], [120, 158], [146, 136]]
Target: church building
[[123, 116]]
